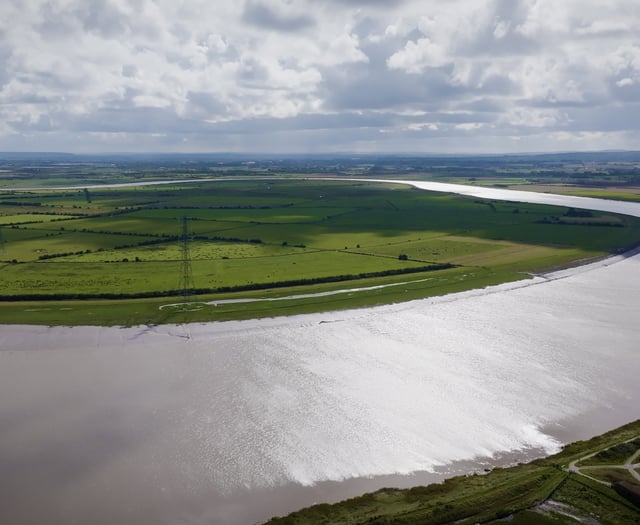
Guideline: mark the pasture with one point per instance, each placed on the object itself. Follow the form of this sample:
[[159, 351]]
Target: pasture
[[267, 238]]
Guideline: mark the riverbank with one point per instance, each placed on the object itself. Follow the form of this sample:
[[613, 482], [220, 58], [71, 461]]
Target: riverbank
[[219, 422], [225, 421], [550, 490], [423, 245]]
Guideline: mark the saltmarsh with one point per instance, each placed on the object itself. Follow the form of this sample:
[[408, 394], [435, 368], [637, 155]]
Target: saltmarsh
[[261, 239]]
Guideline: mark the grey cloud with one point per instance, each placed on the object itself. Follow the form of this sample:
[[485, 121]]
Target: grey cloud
[[95, 16], [309, 132], [508, 15], [27, 98], [625, 87], [369, 3], [252, 73], [371, 85], [261, 15], [5, 57], [164, 120], [492, 75], [560, 104], [514, 11], [627, 94], [359, 88], [366, 26], [497, 85], [44, 123], [460, 117], [56, 22], [205, 104], [121, 100], [333, 122], [102, 17], [129, 70], [52, 81], [483, 105], [374, 86], [134, 120], [606, 118]]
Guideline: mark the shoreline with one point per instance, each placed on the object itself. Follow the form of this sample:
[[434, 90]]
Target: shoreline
[[628, 208], [257, 505], [533, 280], [183, 416], [279, 501]]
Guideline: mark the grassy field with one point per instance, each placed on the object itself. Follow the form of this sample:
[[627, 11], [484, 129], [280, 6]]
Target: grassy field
[[614, 455], [609, 475], [263, 239], [541, 492]]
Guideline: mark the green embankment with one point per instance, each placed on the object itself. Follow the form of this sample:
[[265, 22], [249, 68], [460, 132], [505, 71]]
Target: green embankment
[[541, 492], [114, 256], [614, 455]]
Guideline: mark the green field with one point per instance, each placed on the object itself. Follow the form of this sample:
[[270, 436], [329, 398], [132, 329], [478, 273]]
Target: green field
[[609, 475], [614, 455], [540, 492], [120, 252]]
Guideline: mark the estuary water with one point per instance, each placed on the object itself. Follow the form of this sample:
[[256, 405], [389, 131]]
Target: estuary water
[[233, 422]]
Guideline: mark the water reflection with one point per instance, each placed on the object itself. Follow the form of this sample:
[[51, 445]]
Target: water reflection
[[227, 422]]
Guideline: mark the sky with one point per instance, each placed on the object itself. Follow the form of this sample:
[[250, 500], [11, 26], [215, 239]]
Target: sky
[[313, 76]]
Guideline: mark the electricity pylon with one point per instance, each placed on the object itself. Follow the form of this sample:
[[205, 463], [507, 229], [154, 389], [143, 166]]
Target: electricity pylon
[[186, 281]]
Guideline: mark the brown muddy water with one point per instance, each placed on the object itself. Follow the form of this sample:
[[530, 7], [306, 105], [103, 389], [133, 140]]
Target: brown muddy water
[[231, 423], [235, 422]]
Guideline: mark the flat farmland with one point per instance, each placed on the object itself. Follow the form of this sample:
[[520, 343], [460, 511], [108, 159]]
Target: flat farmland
[[277, 237]]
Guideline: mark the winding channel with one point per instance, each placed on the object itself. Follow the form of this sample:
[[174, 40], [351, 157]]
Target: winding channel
[[233, 422], [589, 203]]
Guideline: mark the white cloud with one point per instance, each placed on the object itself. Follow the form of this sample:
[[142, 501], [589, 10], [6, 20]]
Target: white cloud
[[501, 29], [469, 126], [626, 81], [482, 67], [416, 56], [419, 126], [534, 117]]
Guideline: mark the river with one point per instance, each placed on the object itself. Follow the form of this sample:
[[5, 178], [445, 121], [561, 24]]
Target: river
[[232, 422]]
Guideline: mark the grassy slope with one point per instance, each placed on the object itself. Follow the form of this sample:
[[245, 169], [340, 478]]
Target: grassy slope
[[307, 229], [515, 491], [614, 455], [146, 311]]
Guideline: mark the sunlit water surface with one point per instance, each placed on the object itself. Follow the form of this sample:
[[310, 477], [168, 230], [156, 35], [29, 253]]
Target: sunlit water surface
[[226, 422]]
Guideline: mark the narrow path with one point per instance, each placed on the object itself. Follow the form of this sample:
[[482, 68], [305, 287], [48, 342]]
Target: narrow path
[[298, 296], [633, 467], [576, 470], [628, 465]]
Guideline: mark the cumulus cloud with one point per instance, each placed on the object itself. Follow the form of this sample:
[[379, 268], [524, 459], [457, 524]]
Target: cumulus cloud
[[275, 17], [460, 75]]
